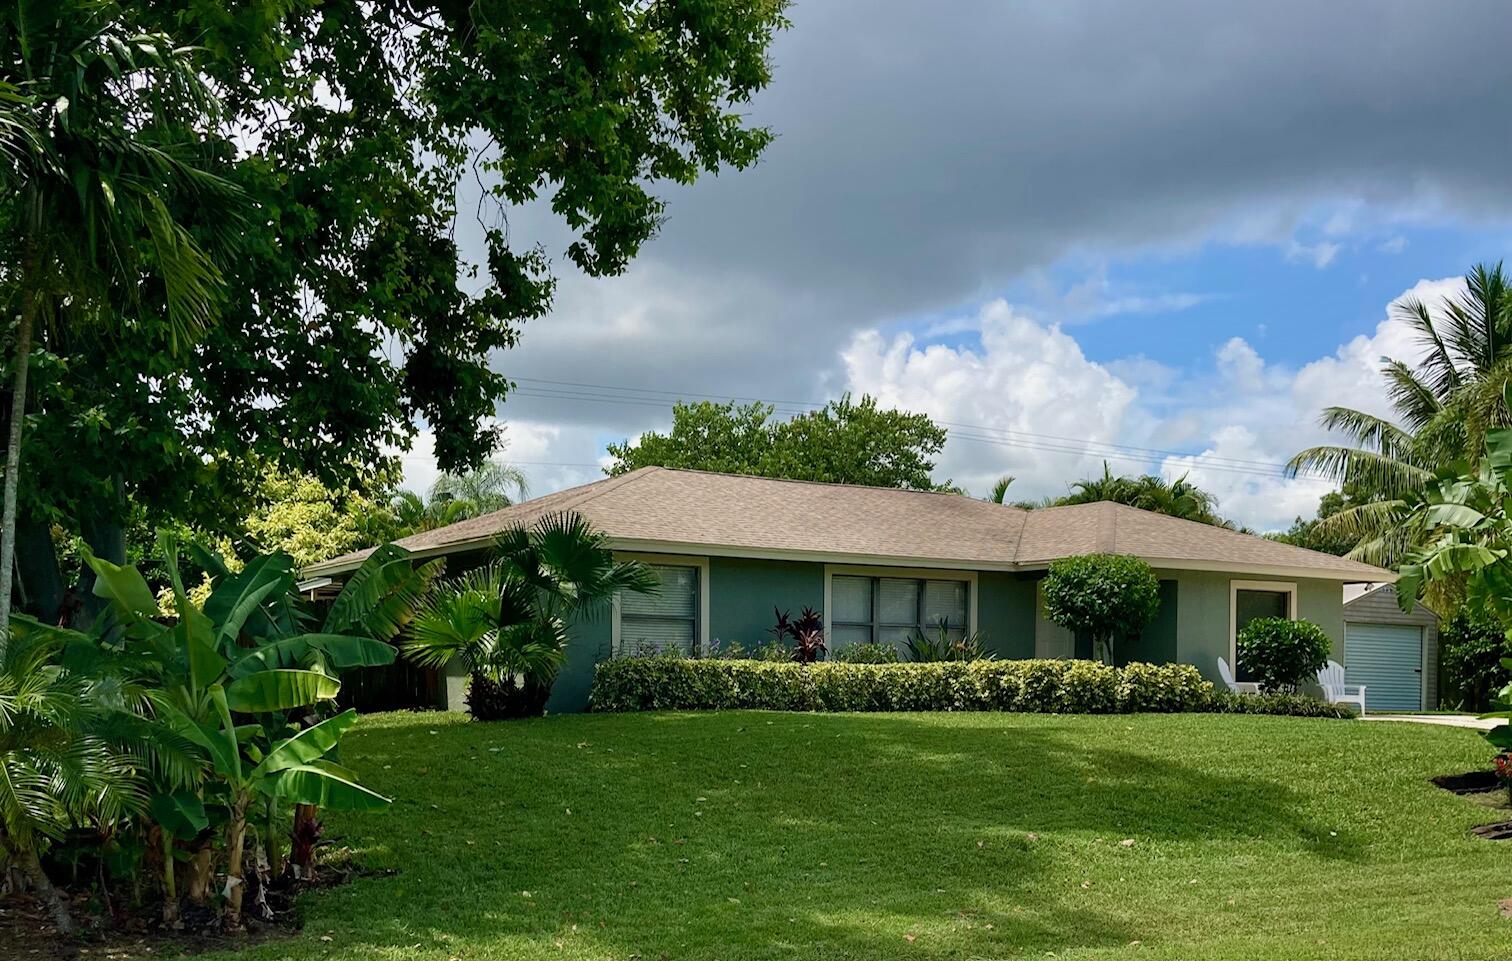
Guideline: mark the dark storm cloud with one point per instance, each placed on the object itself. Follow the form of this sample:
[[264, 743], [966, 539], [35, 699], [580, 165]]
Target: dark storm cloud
[[928, 154]]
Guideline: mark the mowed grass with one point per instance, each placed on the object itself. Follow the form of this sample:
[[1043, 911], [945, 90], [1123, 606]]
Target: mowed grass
[[754, 835]]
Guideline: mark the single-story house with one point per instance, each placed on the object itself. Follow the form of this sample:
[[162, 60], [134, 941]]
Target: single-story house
[[880, 563], [1393, 653]]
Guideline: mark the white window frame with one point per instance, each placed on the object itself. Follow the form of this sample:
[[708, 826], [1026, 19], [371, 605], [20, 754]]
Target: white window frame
[[1289, 588], [911, 573], [667, 560]]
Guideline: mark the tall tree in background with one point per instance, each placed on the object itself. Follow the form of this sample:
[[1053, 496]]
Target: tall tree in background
[[492, 486], [1177, 498], [351, 314], [108, 122], [1444, 407], [845, 442]]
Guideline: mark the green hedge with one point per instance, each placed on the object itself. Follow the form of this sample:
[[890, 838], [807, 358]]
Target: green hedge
[[671, 682]]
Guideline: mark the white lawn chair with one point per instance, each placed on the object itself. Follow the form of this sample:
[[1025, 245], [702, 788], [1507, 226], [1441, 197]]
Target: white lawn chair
[[1335, 691], [1238, 687]]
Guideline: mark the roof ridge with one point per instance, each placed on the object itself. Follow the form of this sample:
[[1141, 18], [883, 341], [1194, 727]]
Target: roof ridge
[[816, 483]]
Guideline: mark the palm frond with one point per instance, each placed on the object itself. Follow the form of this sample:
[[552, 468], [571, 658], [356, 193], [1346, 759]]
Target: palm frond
[[1365, 469]]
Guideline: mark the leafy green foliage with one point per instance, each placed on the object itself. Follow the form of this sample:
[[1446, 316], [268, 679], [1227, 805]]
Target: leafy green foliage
[[1472, 645], [1178, 498], [1444, 408], [1105, 595], [350, 315], [940, 644], [507, 621], [1282, 654], [866, 654], [1316, 534], [661, 682], [845, 442]]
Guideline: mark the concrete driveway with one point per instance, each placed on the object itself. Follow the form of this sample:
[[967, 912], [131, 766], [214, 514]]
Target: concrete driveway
[[1444, 720]]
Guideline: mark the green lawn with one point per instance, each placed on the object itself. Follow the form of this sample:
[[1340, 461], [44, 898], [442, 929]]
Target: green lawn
[[752, 835]]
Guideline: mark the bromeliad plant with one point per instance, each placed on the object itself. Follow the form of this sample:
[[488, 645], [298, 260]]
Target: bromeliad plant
[[942, 644], [244, 682], [507, 621]]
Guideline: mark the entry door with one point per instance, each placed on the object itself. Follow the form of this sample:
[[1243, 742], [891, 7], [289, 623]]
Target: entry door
[[1388, 660]]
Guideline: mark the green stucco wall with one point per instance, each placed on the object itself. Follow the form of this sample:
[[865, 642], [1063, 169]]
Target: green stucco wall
[[1005, 614], [743, 592], [1192, 625], [1202, 623]]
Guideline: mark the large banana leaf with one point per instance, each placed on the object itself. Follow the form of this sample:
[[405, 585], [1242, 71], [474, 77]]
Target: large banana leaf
[[181, 813], [306, 746], [340, 651], [279, 690], [236, 601], [125, 587], [382, 594], [324, 787]]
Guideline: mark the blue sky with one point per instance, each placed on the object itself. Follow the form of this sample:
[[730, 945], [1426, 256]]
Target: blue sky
[[1169, 225]]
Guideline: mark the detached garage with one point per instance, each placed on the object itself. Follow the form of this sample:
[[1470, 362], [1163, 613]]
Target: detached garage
[[1395, 655]]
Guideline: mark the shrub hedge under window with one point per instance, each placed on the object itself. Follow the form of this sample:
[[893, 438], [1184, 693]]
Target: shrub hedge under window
[[669, 682]]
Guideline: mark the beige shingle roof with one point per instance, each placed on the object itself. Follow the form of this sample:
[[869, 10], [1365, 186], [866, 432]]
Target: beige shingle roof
[[656, 508]]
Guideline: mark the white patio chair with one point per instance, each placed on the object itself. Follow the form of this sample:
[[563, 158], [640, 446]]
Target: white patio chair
[[1238, 687], [1335, 691]]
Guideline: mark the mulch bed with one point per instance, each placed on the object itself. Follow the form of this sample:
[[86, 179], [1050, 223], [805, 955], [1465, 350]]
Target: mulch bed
[[26, 928], [1471, 782]]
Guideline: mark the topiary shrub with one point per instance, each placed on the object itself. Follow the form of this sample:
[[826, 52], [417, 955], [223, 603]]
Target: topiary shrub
[[1104, 595], [1282, 653]]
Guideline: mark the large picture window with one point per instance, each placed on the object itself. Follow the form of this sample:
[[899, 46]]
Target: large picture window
[[887, 610], [666, 620], [1251, 600]]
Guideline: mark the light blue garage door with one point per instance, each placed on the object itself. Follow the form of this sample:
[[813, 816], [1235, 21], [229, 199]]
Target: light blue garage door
[[1388, 660]]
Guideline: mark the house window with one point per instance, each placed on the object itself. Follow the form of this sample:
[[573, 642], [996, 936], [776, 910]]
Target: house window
[[666, 620], [887, 610], [1249, 600]]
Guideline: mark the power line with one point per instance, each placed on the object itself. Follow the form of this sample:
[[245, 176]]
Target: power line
[[976, 433]]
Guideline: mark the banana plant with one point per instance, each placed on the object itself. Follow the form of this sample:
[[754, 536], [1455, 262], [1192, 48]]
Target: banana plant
[[1465, 515], [246, 655]]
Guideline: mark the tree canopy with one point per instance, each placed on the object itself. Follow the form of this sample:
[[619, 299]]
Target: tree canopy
[[350, 313], [845, 442], [1177, 498]]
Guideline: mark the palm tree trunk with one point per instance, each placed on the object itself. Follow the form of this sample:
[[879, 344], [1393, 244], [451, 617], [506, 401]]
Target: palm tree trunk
[[31, 866], [13, 444]]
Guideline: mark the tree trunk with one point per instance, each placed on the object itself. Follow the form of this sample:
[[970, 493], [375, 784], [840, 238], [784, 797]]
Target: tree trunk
[[236, 836], [37, 566], [303, 838], [32, 867], [104, 530], [273, 841], [170, 883], [201, 870], [13, 443]]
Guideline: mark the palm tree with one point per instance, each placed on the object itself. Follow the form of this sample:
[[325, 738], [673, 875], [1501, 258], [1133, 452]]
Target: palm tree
[[96, 127], [1000, 487], [1444, 407], [1178, 498], [507, 621], [57, 771], [488, 488]]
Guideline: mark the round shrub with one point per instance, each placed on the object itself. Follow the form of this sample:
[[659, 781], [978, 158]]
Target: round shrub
[[1281, 653], [1105, 595]]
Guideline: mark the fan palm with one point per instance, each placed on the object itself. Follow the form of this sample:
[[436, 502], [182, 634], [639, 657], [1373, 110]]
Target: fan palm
[[1443, 408], [96, 122], [507, 622]]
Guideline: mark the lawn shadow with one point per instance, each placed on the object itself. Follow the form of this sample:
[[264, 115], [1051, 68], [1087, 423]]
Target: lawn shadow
[[792, 835]]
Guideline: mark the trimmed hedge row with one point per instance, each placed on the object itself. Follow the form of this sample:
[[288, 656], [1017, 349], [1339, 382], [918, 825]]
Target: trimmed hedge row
[[672, 682]]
